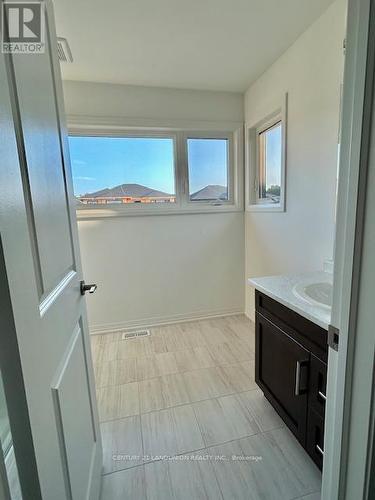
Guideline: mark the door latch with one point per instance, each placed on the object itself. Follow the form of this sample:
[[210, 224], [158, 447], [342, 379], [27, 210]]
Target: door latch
[[333, 337], [87, 288]]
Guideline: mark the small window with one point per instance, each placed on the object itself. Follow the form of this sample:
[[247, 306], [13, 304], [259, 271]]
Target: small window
[[123, 170], [208, 163], [269, 165], [265, 164]]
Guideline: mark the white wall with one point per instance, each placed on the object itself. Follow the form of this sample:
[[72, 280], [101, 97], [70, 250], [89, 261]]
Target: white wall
[[311, 72], [108, 100], [153, 269]]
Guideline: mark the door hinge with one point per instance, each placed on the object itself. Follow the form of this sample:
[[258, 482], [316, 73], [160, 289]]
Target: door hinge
[[333, 337]]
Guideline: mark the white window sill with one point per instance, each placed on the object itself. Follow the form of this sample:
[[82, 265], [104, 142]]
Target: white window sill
[[104, 213], [265, 208]]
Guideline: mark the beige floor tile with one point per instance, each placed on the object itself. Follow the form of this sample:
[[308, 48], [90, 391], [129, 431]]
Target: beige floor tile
[[105, 337], [125, 371], [103, 352], [157, 331], [146, 368], [166, 363], [127, 349], [238, 377], [284, 460], [249, 367], [294, 465], [171, 431], [116, 372], [223, 354], [193, 359], [262, 470], [212, 333], [122, 444], [207, 383], [110, 350], [123, 485], [284, 470], [174, 390], [151, 395], [154, 344], [96, 353], [157, 344], [158, 481], [230, 334], [193, 336], [105, 373], [118, 401], [133, 348], [232, 475], [242, 351], [195, 340], [265, 416], [242, 331], [182, 479], [224, 419], [240, 324], [174, 338]]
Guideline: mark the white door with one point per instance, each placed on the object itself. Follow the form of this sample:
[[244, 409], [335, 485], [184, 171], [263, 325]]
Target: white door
[[42, 260], [355, 122]]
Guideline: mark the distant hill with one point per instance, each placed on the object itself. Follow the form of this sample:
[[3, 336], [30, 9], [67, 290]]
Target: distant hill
[[211, 192], [127, 190]]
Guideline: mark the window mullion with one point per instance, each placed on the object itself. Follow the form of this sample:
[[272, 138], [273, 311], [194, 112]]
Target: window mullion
[[182, 172]]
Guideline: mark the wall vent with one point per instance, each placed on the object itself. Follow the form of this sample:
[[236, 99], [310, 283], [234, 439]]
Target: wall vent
[[136, 334], [63, 50]]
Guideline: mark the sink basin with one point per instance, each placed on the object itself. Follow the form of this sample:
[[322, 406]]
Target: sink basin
[[315, 293]]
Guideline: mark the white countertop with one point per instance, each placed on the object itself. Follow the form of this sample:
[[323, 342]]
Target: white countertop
[[281, 287]]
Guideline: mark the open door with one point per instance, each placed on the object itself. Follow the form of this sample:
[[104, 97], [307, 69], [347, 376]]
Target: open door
[[41, 263], [344, 467]]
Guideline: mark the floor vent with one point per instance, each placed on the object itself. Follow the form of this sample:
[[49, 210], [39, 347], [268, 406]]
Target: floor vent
[[136, 334]]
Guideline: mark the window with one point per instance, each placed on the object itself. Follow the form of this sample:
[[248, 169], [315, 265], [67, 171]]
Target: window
[[123, 170], [120, 172], [265, 165], [269, 164], [208, 169]]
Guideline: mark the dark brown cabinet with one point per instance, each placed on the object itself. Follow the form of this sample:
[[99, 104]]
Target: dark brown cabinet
[[291, 370], [278, 358]]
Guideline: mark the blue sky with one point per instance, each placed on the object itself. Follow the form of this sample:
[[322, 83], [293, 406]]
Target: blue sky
[[273, 156], [100, 162], [207, 160]]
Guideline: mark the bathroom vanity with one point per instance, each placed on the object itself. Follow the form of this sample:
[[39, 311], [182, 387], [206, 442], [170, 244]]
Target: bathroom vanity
[[291, 357]]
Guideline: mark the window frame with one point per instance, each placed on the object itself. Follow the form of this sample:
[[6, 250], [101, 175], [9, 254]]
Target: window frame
[[183, 204], [228, 136], [150, 134], [252, 161]]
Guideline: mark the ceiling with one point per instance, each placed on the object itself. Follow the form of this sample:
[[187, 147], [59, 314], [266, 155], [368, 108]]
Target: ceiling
[[195, 44]]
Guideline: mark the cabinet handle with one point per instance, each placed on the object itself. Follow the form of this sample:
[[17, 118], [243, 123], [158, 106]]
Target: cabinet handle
[[297, 389], [318, 448], [323, 396]]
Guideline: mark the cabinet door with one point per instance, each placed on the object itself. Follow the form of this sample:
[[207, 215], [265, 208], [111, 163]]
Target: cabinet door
[[281, 371], [317, 383], [315, 437]]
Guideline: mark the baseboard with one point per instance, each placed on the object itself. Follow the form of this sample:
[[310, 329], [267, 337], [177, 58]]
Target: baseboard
[[160, 321], [250, 315]]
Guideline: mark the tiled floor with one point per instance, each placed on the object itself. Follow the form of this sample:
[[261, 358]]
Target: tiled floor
[[182, 418]]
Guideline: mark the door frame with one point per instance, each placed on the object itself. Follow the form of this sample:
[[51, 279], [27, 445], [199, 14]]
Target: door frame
[[353, 168]]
